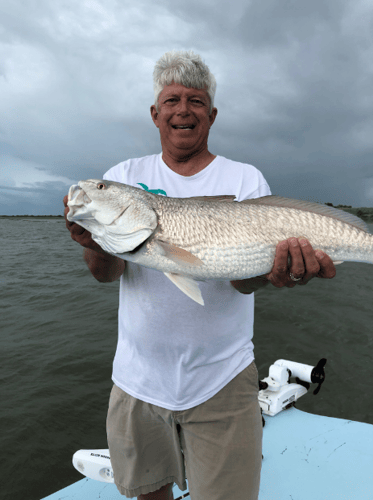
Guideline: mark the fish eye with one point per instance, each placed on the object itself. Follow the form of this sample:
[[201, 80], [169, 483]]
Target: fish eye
[[101, 185]]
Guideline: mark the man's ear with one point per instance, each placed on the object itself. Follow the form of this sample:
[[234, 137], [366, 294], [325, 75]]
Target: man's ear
[[212, 116], [154, 114]]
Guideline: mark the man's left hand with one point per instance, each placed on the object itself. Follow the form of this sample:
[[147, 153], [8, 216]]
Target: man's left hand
[[306, 263]]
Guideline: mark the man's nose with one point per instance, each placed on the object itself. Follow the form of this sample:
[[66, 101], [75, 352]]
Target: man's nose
[[183, 107]]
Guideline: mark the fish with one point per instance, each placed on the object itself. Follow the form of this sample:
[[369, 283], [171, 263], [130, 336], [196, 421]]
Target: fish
[[210, 237]]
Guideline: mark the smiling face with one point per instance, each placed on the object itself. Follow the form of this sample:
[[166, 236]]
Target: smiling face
[[183, 119]]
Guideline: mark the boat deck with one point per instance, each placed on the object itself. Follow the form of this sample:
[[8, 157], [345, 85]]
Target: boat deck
[[306, 457]]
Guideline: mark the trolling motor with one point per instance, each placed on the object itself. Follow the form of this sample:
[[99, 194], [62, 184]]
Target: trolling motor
[[276, 393], [96, 464]]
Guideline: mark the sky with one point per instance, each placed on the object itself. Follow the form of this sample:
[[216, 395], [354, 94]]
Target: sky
[[294, 92]]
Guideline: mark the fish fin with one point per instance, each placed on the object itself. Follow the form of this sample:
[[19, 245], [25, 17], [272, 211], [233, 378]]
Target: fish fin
[[309, 206], [220, 198], [187, 286], [179, 255]]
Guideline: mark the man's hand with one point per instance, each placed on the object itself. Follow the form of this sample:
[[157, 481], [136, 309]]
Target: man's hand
[[306, 263], [78, 233]]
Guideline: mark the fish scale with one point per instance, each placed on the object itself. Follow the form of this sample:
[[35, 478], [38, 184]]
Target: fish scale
[[210, 237], [250, 235]]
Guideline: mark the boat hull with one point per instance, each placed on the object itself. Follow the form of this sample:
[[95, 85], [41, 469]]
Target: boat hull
[[305, 456]]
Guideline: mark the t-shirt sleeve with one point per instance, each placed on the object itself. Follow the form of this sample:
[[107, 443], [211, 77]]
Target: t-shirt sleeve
[[263, 190], [253, 185], [116, 173]]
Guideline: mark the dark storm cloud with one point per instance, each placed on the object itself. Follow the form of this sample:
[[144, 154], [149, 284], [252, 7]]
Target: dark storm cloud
[[294, 90], [300, 74]]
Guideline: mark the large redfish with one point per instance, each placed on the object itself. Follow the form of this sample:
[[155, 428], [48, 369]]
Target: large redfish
[[210, 237]]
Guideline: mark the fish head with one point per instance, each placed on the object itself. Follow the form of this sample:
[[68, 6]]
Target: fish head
[[93, 198], [117, 215]]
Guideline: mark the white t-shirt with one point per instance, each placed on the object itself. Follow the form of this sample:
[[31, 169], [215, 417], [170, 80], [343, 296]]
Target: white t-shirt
[[171, 351]]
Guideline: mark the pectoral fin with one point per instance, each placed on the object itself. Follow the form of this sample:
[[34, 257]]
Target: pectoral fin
[[179, 255], [188, 286]]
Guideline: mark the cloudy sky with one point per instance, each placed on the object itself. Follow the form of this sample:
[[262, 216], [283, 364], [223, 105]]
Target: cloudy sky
[[294, 91]]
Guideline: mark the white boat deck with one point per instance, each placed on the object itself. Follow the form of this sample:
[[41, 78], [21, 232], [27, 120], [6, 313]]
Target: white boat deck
[[306, 457]]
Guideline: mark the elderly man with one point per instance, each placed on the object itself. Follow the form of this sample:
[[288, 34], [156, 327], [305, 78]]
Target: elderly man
[[185, 396]]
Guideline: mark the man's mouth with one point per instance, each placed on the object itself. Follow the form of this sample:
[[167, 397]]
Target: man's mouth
[[184, 127]]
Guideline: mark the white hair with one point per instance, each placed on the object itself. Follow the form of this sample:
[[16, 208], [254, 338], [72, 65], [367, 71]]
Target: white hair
[[186, 68]]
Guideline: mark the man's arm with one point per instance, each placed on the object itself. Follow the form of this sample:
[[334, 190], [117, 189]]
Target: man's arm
[[306, 263], [103, 266], [250, 285]]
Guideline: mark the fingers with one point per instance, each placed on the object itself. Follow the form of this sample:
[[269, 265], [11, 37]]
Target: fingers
[[297, 264], [279, 276], [76, 230], [311, 266], [317, 263], [305, 263], [327, 268]]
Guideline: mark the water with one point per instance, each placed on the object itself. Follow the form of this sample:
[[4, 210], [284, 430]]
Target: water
[[58, 332]]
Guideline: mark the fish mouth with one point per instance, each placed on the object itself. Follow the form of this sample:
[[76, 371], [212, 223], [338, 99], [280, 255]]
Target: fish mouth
[[77, 199]]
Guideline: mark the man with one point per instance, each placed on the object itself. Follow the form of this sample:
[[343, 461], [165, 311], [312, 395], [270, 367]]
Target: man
[[185, 394]]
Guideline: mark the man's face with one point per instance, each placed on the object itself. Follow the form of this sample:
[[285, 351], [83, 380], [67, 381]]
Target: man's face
[[183, 118]]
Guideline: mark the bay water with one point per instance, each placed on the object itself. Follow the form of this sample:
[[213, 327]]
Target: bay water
[[58, 334]]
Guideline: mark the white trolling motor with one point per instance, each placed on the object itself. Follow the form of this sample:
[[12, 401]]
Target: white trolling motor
[[276, 393], [94, 464]]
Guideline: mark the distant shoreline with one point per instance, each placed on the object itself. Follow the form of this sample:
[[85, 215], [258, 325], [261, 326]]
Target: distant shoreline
[[365, 213], [31, 216]]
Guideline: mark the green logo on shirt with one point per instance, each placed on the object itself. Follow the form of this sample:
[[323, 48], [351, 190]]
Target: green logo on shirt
[[154, 191]]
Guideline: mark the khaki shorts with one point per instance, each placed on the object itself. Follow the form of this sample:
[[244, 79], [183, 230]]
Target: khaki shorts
[[217, 445]]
